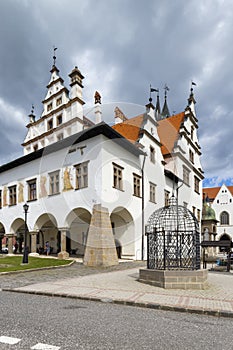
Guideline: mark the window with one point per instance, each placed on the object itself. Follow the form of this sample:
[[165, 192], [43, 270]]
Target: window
[[185, 204], [50, 124], [59, 119], [191, 156], [12, 195], [166, 198], [136, 185], [32, 194], [54, 182], [60, 137], [198, 215], [224, 218], [194, 211], [152, 154], [192, 130], [152, 192], [59, 101], [117, 177], [81, 175], [0, 199], [35, 147], [196, 184], [186, 173], [49, 107]]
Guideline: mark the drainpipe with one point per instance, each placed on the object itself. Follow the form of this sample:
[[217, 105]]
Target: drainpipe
[[143, 205]]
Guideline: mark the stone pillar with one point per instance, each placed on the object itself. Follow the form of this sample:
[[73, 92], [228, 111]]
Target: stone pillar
[[33, 235], [10, 237], [100, 247], [63, 253]]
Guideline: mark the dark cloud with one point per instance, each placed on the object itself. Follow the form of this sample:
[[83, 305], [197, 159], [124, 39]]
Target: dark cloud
[[122, 46]]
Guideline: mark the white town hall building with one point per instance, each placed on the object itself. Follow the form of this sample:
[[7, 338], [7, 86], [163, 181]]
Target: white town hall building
[[71, 163]]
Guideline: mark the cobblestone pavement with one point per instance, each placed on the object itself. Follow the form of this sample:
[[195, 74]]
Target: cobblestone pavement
[[75, 270], [119, 284]]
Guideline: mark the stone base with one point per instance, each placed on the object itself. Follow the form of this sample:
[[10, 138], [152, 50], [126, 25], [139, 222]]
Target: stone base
[[174, 279], [63, 255]]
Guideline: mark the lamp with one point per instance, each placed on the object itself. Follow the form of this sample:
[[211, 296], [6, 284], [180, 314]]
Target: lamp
[[25, 250]]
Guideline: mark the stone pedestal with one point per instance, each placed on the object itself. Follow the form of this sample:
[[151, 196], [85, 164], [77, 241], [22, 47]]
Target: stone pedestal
[[174, 279], [10, 237], [63, 255], [100, 247], [33, 235]]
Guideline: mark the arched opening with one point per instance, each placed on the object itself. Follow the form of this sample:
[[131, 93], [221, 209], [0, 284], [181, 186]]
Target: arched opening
[[224, 237], [46, 225], [18, 227], [78, 222], [123, 231]]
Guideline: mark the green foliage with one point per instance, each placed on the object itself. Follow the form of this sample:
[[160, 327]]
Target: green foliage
[[14, 263]]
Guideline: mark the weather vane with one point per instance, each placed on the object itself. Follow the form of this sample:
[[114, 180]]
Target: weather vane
[[54, 55], [192, 84], [152, 90], [166, 88]]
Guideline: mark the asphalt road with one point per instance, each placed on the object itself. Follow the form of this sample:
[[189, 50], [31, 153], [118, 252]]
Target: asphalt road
[[64, 324]]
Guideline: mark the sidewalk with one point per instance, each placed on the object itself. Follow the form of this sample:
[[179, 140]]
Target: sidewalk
[[122, 287]]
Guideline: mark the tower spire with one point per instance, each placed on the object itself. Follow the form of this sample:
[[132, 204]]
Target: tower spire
[[191, 99], [165, 112]]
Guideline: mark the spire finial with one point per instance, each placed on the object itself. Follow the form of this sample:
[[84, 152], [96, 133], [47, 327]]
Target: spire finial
[[97, 97], [192, 84], [54, 55], [31, 116], [166, 89]]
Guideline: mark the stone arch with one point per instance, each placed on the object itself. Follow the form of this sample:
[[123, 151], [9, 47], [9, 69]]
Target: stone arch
[[124, 230], [46, 225], [78, 222], [18, 228], [224, 237]]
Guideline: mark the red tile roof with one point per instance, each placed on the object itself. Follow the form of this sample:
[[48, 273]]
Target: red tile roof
[[168, 130], [130, 128], [212, 192]]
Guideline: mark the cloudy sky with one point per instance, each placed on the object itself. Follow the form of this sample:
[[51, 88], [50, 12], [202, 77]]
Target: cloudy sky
[[121, 47]]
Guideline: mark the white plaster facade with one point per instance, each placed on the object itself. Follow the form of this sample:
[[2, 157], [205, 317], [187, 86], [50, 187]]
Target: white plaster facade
[[221, 201], [62, 177]]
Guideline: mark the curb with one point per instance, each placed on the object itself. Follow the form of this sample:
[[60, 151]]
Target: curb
[[206, 312], [37, 269]]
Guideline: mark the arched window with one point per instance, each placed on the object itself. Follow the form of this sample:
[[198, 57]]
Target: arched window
[[224, 218]]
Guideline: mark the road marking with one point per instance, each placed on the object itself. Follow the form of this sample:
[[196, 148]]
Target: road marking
[[9, 340], [41, 346]]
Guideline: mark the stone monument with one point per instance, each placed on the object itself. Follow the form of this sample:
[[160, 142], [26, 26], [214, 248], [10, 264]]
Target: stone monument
[[100, 246]]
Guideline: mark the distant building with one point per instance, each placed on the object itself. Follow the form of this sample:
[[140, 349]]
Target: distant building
[[219, 201], [71, 163]]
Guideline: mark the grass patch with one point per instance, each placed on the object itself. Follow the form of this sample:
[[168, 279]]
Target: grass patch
[[14, 263]]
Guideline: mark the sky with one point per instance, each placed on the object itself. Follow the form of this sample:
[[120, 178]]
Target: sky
[[121, 47]]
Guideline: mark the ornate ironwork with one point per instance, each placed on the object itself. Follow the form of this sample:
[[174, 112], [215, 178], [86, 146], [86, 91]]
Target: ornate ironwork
[[173, 239]]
